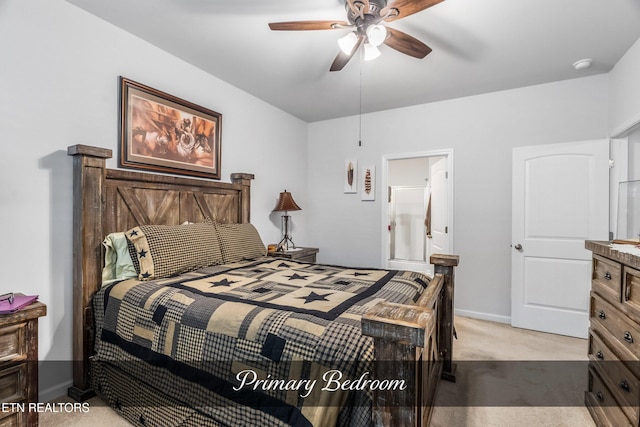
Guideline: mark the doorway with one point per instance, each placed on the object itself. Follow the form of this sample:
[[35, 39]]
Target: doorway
[[418, 213]]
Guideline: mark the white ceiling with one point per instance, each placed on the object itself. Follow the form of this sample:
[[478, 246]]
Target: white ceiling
[[479, 46]]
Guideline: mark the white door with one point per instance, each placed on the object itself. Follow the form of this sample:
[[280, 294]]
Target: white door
[[438, 235], [560, 198]]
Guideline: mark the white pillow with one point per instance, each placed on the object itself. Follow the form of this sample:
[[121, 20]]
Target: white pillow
[[117, 261]]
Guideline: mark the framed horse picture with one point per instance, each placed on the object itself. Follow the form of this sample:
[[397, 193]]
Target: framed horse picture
[[163, 133]]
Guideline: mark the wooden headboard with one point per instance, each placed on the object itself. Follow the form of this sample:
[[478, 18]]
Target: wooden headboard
[[112, 200]]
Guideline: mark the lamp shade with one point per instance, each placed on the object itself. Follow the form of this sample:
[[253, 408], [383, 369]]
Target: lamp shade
[[376, 34], [370, 52], [348, 42], [286, 203]]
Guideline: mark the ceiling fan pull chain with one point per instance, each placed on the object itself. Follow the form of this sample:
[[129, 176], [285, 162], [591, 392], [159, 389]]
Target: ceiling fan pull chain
[[360, 114]]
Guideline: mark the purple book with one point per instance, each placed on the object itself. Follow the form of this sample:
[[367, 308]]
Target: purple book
[[19, 302]]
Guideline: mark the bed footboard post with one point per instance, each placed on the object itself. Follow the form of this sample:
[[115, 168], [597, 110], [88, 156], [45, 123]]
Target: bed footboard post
[[445, 265], [89, 165], [244, 179], [400, 333]]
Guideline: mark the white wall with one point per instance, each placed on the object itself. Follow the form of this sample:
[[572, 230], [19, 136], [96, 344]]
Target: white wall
[[58, 87], [482, 130], [409, 172], [634, 156], [624, 95], [624, 123]]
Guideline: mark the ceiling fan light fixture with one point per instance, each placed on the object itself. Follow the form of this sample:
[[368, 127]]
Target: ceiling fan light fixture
[[370, 52], [376, 34], [348, 42], [366, 23]]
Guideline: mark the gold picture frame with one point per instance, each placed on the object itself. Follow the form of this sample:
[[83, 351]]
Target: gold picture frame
[[163, 133]]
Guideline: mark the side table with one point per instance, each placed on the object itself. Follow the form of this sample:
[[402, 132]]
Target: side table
[[298, 254], [19, 365]]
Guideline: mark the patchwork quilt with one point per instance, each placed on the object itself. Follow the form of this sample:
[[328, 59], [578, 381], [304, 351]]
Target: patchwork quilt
[[251, 343]]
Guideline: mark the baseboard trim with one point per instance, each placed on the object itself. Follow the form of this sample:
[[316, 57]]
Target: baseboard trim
[[484, 316], [54, 392]]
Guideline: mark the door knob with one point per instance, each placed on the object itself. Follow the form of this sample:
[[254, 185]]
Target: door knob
[[518, 247]]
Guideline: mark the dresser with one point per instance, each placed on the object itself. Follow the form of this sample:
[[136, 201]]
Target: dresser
[[613, 395], [19, 365], [298, 254]]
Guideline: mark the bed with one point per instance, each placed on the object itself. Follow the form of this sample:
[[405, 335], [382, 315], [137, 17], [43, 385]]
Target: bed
[[247, 340]]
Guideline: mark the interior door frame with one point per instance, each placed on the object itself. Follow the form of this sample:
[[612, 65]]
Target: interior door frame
[[384, 216]]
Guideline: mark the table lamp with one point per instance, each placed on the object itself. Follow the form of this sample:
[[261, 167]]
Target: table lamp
[[286, 203]]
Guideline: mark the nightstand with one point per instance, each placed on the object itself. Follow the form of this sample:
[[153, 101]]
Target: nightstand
[[299, 254], [19, 365]]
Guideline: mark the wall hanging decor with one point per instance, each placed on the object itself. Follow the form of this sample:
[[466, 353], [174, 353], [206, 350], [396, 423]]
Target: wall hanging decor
[[350, 176], [163, 133], [368, 182]]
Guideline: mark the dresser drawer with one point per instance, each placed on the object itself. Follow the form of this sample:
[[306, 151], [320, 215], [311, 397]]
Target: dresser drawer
[[602, 405], [631, 291], [12, 343], [603, 349], [619, 379], [625, 332], [13, 383], [606, 278], [598, 350]]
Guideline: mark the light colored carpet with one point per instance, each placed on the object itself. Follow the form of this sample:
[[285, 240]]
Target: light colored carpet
[[486, 351], [478, 341]]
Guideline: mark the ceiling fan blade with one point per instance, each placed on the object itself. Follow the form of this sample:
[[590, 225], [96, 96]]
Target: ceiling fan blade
[[308, 25], [407, 7], [342, 59], [403, 42]]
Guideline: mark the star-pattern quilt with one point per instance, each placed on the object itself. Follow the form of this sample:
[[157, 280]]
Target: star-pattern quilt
[[192, 338]]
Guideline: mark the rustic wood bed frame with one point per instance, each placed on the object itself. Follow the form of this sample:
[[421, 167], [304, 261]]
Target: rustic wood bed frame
[[419, 337]]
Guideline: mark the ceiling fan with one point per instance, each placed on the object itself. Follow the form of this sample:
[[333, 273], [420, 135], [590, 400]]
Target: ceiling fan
[[366, 18]]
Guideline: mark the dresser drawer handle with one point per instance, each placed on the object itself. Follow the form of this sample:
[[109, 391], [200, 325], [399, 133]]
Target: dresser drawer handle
[[607, 275], [602, 315], [624, 385], [599, 355], [600, 396], [628, 338]]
